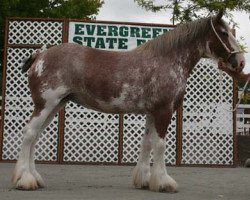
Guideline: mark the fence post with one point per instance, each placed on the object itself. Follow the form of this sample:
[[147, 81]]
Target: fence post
[[179, 114], [6, 33], [120, 143]]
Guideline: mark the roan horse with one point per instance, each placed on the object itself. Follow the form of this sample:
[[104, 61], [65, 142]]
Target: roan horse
[[150, 79]]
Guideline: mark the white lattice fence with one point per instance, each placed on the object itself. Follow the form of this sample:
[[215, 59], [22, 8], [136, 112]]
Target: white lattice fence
[[18, 109], [35, 32], [207, 125], [90, 136], [134, 127], [18, 103]]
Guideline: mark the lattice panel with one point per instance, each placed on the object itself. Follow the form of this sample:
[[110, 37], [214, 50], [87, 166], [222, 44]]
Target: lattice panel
[[90, 136], [207, 125], [18, 109], [134, 127], [35, 32]]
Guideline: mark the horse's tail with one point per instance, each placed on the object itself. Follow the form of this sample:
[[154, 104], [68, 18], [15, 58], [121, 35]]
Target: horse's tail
[[28, 61]]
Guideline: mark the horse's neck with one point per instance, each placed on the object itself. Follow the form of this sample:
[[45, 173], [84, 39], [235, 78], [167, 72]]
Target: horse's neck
[[187, 57]]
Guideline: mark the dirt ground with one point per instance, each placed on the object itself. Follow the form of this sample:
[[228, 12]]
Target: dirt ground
[[73, 182]]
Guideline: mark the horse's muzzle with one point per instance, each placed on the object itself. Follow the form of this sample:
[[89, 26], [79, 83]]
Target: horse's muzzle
[[240, 67], [237, 61]]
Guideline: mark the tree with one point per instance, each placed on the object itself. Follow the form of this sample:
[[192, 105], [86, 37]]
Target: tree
[[188, 10], [46, 8]]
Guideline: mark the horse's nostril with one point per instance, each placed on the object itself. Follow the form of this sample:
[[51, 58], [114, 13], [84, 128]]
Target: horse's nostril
[[242, 64]]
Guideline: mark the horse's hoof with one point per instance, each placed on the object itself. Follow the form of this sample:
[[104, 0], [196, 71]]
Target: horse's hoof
[[163, 184], [247, 163], [141, 176], [39, 179], [168, 188], [26, 181]]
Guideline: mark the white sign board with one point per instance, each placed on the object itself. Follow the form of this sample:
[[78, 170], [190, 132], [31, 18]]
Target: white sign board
[[112, 36]]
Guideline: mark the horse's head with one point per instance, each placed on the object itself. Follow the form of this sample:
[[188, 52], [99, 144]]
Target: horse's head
[[223, 46]]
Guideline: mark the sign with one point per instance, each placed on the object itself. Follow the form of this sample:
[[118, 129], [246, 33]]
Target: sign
[[112, 36]]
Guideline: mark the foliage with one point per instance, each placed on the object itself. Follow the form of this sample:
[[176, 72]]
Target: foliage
[[47, 9], [188, 10]]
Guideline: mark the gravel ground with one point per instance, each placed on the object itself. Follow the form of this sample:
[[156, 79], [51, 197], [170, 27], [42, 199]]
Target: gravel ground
[[73, 182]]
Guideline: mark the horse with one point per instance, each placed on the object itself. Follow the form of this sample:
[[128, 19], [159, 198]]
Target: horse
[[150, 79]]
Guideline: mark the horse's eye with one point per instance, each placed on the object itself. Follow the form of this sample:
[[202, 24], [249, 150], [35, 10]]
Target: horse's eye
[[225, 33]]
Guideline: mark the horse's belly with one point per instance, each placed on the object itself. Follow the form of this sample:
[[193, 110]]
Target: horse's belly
[[113, 105]]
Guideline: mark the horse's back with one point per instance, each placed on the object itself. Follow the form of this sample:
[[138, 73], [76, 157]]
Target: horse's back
[[94, 78]]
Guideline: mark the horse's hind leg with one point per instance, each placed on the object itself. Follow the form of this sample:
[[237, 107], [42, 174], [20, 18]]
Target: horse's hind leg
[[25, 175], [22, 176], [141, 173], [32, 154]]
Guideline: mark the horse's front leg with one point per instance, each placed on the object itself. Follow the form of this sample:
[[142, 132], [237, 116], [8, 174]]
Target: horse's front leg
[[141, 173], [160, 181]]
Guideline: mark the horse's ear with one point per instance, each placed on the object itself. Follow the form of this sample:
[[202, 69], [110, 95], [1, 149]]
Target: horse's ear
[[219, 15]]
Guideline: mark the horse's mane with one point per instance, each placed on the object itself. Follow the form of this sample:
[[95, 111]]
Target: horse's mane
[[183, 34]]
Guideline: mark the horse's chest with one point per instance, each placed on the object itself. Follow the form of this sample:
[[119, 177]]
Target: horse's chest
[[169, 84]]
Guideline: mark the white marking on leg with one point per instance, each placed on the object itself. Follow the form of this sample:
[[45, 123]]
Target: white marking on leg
[[25, 175], [141, 173], [53, 96], [160, 181]]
